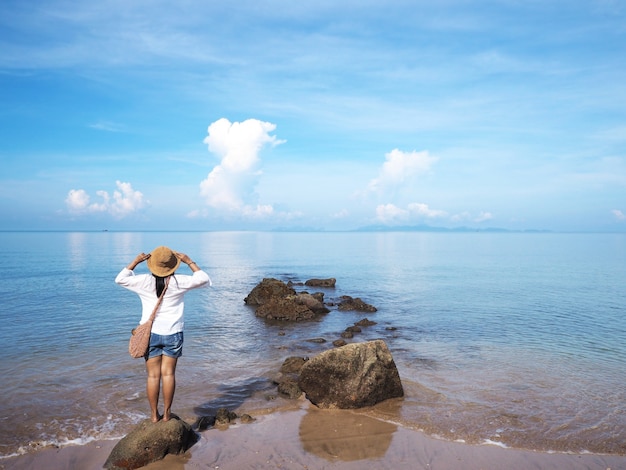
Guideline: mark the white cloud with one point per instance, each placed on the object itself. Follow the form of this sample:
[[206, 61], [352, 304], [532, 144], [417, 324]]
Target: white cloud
[[422, 210], [400, 167], [619, 215], [342, 214], [107, 126], [468, 217], [124, 202], [483, 217], [258, 212], [230, 186], [77, 200], [415, 212], [390, 213]]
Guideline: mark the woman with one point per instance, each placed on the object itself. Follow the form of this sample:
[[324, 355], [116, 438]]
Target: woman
[[166, 339]]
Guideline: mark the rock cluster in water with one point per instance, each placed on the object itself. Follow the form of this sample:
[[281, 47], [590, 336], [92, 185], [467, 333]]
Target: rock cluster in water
[[277, 300]]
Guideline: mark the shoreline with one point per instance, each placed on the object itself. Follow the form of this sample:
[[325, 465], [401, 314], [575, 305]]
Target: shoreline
[[320, 439]]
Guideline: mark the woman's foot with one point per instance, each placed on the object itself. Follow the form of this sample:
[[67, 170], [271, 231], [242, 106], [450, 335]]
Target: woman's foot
[[167, 415], [155, 418]]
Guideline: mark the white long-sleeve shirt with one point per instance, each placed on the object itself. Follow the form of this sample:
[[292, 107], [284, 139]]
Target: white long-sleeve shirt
[[170, 316]]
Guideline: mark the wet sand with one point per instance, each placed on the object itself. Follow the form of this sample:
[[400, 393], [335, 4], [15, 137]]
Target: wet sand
[[321, 439]]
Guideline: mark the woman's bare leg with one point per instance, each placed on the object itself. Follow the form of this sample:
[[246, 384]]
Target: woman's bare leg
[[168, 376], [153, 367]]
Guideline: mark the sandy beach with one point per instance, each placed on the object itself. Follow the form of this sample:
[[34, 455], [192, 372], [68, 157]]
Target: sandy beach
[[321, 439]]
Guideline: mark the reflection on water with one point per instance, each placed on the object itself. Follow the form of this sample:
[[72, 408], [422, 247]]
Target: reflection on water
[[344, 435]]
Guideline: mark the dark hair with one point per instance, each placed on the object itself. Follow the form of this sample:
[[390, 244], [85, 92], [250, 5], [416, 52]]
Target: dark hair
[[160, 285]]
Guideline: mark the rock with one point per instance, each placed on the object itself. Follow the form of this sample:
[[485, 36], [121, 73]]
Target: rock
[[286, 309], [351, 376], [246, 419], [288, 380], [312, 301], [330, 282], [316, 340], [292, 365], [365, 322], [267, 289], [275, 300], [290, 388], [347, 334], [349, 303], [150, 442], [339, 342], [204, 422], [224, 417]]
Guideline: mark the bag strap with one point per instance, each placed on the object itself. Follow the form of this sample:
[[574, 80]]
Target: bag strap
[[158, 304]]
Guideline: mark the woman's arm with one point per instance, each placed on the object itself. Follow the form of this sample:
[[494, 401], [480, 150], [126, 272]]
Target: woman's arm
[[140, 258], [187, 260]]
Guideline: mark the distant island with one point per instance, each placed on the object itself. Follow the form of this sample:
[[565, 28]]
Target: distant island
[[428, 228], [410, 228]]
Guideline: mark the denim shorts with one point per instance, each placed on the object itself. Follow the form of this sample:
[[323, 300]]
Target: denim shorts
[[168, 345]]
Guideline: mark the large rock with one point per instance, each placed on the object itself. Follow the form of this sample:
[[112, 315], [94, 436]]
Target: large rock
[[275, 300], [285, 309], [351, 376], [150, 442], [268, 288]]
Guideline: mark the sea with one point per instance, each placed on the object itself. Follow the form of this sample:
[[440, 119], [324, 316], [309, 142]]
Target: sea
[[509, 339]]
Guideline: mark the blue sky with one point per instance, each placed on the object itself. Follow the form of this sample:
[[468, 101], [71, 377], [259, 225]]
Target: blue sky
[[334, 115]]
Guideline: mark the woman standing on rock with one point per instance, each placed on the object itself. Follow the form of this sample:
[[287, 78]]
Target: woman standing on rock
[[166, 339]]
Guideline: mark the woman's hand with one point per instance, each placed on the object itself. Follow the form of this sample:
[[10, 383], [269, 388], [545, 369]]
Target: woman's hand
[[187, 260], [140, 258], [183, 257]]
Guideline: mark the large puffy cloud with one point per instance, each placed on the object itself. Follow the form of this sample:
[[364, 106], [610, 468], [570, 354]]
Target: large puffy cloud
[[399, 170], [396, 180], [230, 186], [124, 201], [400, 167]]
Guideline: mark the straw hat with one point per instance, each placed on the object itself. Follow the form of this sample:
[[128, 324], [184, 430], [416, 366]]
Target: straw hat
[[162, 262]]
